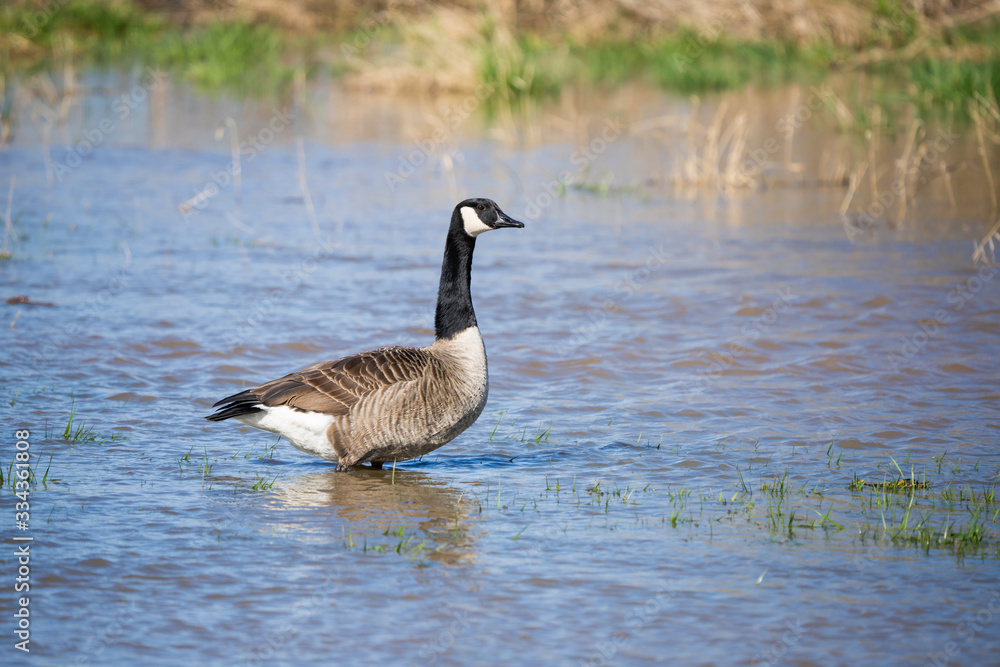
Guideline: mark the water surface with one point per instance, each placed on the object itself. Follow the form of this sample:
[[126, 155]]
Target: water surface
[[657, 362]]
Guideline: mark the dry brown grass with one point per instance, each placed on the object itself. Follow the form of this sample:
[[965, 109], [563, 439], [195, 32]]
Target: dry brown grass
[[841, 22], [422, 58], [440, 45], [900, 173], [985, 251], [715, 152]]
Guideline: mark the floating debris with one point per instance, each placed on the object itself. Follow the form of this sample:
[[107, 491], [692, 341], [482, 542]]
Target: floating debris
[[26, 301], [902, 484]]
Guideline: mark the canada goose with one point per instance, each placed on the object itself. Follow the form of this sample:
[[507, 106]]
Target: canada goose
[[394, 403]]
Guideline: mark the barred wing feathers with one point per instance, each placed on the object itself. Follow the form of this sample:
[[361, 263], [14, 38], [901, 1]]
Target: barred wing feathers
[[335, 387]]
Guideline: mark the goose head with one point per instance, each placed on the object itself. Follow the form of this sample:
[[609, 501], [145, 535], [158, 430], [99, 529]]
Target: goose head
[[475, 216]]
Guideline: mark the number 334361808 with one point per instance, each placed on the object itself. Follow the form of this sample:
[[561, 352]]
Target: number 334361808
[[22, 475]]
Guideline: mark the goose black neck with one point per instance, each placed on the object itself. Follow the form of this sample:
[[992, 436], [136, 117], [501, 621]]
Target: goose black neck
[[454, 307]]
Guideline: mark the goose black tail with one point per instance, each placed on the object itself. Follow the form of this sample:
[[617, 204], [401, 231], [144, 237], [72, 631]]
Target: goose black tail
[[243, 403]]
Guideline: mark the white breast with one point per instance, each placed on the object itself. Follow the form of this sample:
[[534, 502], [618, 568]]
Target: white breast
[[467, 356], [463, 396]]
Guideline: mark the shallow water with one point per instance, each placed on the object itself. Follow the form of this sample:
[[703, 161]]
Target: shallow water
[[656, 360]]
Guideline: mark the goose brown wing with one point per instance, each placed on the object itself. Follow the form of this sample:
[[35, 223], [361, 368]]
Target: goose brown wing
[[334, 387]]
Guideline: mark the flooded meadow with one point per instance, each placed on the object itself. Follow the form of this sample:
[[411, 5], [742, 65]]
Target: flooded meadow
[[744, 381]]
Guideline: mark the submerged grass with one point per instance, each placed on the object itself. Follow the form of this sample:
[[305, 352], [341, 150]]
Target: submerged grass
[[914, 505], [78, 431], [923, 507], [17, 474]]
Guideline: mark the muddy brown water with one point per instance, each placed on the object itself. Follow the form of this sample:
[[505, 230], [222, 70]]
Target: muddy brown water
[[657, 360]]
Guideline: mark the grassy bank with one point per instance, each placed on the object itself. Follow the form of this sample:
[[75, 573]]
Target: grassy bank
[[937, 62], [239, 56]]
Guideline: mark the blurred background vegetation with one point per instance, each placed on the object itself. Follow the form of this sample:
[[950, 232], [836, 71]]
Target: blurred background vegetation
[[938, 54]]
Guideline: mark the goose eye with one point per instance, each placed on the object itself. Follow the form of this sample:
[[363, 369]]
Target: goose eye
[[481, 207]]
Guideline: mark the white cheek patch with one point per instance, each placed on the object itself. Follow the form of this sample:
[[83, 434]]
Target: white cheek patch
[[473, 225]]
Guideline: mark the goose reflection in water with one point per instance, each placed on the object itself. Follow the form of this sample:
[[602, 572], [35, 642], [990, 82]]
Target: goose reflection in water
[[381, 511]]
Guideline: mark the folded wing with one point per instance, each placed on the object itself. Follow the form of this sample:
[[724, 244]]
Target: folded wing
[[332, 387]]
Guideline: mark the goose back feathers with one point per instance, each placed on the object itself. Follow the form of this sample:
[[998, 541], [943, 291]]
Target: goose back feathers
[[393, 403]]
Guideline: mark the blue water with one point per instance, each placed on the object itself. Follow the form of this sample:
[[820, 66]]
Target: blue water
[[647, 353]]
